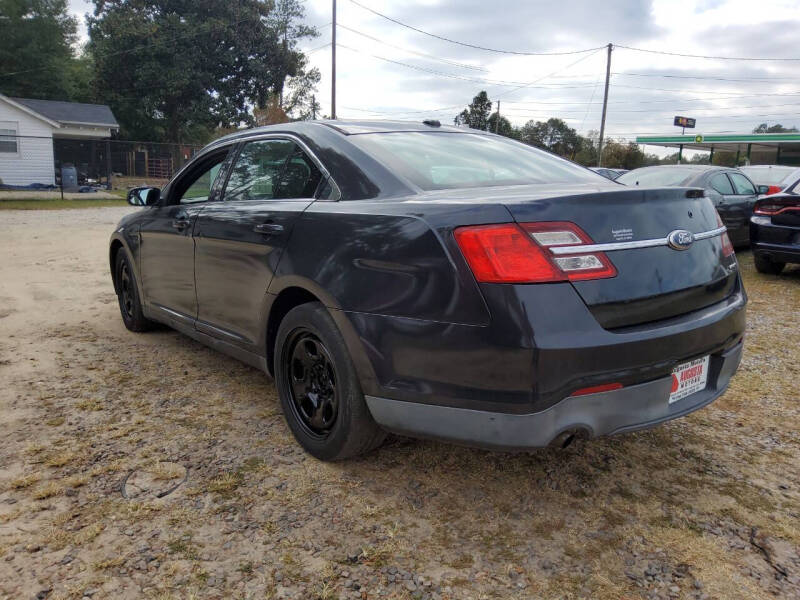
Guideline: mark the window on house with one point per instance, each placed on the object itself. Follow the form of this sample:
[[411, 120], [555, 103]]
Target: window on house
[[8, 140]]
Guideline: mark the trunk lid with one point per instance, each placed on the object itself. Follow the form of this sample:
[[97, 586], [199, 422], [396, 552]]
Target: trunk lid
[[652, 283]]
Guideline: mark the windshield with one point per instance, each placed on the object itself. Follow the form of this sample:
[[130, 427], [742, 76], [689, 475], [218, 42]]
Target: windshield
[[669, 176], [771, 176], [442, 160]]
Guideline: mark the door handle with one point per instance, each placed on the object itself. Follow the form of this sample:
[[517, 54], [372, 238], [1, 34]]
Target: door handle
[[180, 224], [268, 228]]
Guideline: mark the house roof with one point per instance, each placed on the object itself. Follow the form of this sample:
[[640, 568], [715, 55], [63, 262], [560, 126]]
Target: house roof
[[71, 112]]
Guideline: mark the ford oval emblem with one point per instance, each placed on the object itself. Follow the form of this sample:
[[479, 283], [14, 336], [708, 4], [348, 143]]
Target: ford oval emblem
[[680, 239]]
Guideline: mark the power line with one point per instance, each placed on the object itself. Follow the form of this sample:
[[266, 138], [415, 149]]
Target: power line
[[430, 56], [706, 78], [466, 44], [650, 111], [702, 55]]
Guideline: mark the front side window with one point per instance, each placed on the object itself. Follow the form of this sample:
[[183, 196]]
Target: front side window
[[722, 184], [8, 139], [742, 184], [198, 184], [445, 160], [272, 169]]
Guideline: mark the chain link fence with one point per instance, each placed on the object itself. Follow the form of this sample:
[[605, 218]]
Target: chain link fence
[[41, 162]]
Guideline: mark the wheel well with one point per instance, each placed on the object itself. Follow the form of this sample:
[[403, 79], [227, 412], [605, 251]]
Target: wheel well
[[115, 246], [286, 301]]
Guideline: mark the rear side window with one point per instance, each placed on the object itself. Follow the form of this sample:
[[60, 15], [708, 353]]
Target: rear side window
[[741, 184], [649, 177], [722, 184], [272, 169], [770, 176], [449, 160]]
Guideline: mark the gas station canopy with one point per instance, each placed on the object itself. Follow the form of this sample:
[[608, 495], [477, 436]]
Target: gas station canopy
[[759, 148]]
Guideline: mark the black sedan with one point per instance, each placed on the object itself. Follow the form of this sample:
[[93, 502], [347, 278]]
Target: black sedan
[[731, 191], [775, 230], [437, 282]]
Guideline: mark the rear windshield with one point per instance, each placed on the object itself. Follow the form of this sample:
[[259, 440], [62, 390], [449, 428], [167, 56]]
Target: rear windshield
[[670, 176], [442, 160], [771, 176]]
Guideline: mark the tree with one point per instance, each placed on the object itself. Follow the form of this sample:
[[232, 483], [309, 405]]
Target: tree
[[553, 135], [764, 128], [476, 115], [504, 127], [36, 51], [175, 71]]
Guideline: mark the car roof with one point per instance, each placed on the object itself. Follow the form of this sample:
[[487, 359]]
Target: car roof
[[348, 127], [698, 168]]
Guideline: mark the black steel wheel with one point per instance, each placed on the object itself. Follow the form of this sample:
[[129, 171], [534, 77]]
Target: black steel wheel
[[130, 306], [312, 382], [318, 386], [766, 265]]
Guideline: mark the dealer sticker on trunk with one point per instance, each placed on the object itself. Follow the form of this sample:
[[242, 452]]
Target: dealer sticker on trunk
[[689, 378]]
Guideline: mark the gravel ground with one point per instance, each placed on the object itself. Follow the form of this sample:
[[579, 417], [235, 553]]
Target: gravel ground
[[147, 466]]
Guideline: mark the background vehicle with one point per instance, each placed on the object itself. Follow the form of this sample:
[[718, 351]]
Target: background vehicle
[[609, 173], [775, 231], [732, 193], [437, 281], [776, 177]]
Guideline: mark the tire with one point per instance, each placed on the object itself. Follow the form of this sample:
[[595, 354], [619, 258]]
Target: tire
[[765, 265], [318, 387], [130, 305]]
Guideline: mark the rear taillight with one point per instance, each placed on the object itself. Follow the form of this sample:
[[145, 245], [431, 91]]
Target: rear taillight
[[512, 253], [774, 206], [727, 247], [774, 189]]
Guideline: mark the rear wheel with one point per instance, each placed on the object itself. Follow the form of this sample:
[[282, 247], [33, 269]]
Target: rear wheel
[[130, 305], [765, 265], [319, 389]]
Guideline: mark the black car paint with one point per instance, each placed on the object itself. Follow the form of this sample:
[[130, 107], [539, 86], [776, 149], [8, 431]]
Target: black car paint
[[418, 326], [777, 237], [734, 209]]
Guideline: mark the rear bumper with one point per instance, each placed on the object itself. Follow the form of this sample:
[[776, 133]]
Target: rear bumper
[[627, 409], [780, 243]]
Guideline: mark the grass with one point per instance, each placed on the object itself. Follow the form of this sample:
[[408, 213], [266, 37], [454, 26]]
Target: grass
[[59, 204]]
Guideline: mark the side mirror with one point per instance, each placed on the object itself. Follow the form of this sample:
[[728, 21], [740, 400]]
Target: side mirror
[[144, 196], [763, 189]]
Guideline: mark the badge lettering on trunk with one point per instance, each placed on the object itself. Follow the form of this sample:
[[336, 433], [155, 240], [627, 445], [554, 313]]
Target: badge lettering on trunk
[[680, 239]]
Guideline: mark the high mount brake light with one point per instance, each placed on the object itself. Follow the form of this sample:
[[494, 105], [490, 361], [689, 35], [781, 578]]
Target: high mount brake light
[[520, 253], [727, 247]]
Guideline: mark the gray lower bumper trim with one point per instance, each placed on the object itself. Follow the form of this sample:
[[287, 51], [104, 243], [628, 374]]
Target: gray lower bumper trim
[[627, 409]]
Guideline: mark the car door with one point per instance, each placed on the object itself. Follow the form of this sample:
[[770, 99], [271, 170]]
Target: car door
[[166, 254], [740, 206], [720, 189], [239, 240]]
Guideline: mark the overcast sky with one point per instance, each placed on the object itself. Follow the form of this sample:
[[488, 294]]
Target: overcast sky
[[569, 86]]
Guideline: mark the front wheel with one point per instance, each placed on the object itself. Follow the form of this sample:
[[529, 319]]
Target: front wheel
[[767, 266], [130, 305], [319, 389]]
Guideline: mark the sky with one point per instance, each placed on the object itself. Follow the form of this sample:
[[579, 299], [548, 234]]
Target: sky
[[646, 91]]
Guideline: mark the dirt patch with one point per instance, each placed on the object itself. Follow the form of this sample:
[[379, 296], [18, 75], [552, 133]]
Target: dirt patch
[[703, 507]]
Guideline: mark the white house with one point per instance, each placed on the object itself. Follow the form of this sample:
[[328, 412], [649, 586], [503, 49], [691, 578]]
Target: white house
[[30, 130]]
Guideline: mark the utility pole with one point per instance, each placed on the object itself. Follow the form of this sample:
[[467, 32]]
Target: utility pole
[[605, 106], [497, 122], [333, 63], [314, 107]]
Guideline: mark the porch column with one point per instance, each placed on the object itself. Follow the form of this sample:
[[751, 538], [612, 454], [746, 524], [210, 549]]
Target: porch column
[[108, 164]]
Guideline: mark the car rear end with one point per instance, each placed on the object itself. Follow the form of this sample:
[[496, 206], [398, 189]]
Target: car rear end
[[616, 310], [775, 229]]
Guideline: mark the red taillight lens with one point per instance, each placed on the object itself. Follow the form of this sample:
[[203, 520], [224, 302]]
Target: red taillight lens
[[774, 189], [773, 206], [505, 254], [596, 389], [727, 247], [511, 253]]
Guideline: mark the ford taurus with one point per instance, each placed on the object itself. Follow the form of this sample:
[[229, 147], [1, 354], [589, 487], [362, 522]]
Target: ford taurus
[[437, 282]]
